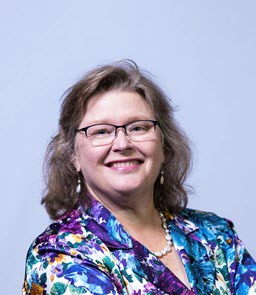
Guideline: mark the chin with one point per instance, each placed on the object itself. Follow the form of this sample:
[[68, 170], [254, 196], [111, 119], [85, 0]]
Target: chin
[[130, 190]]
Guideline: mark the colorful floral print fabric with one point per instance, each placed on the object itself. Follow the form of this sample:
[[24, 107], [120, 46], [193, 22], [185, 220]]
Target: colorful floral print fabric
[[89, 252]]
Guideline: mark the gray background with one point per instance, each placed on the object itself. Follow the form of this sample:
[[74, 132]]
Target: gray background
[[201, 52]]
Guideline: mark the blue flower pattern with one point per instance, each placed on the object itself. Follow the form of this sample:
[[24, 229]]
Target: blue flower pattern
[[89, 252]]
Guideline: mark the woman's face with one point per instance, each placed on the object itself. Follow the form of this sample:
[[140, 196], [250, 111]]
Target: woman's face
[[124, 167]]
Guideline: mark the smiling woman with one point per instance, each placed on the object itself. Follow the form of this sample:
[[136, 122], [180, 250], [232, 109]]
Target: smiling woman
[[115, 177], [122, 169]]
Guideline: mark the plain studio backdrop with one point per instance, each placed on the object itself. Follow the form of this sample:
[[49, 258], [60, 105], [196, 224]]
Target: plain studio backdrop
[[201, 52]]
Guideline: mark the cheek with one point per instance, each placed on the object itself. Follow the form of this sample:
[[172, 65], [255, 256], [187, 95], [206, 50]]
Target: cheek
[[90, 158], [155, 155]]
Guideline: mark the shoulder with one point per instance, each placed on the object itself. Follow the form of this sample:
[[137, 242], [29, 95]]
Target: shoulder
[[69, 251], [58, 230], [212, 226], [66, 234], [204, 218]]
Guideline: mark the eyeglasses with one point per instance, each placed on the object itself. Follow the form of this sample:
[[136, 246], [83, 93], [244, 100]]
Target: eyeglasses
[[103, 134]]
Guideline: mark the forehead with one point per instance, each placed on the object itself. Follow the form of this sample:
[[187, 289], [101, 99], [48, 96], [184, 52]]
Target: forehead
[[116, 107]]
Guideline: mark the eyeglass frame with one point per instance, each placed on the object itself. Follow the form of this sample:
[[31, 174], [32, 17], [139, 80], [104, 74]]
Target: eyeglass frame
[[84, 129]]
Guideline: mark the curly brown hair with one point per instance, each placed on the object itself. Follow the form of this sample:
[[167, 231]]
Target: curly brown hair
[[61, 175]]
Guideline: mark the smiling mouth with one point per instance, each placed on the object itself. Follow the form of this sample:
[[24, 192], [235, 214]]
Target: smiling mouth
[[124, 164]]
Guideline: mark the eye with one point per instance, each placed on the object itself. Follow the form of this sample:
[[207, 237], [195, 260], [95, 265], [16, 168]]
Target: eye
[[100, 131], [139, 127]]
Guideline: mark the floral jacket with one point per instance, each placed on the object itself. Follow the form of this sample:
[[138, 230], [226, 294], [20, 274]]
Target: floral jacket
[[89, 252]]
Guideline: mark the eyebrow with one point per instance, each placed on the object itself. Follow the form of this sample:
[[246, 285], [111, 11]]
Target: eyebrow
[[130, 119]]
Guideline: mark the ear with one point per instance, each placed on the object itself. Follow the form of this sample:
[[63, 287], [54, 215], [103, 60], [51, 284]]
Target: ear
[[76, 162]]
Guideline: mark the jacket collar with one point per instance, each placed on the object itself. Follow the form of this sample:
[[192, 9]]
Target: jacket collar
[[102, 222], [180, 222]]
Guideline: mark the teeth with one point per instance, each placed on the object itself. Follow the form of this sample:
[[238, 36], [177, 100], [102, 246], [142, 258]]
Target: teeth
[[125, 164]]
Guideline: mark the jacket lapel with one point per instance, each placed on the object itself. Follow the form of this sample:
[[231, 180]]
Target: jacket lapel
[[194, 251], [196, 254], [154, 271]]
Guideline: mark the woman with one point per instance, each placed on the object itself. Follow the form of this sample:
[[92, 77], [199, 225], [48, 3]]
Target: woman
[[115, 188]]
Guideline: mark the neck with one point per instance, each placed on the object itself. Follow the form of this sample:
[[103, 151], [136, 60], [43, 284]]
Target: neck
[[140, 219], [133, 212]]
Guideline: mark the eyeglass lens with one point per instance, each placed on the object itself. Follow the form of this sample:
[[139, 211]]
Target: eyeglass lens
[[102, 134]]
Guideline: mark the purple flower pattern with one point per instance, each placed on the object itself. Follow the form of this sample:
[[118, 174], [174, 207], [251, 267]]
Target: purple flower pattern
[[89, 252]]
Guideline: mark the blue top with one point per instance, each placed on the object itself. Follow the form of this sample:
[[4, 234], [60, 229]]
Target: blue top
[[89, 252]]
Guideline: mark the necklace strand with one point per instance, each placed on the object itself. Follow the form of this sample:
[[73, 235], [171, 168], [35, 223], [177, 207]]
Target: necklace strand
[[168, 237]]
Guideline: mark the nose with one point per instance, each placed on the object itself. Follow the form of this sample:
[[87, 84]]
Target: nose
[[121, 141]]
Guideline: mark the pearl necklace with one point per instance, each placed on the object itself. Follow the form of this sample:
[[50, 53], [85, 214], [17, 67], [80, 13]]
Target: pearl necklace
[[168, 237]]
